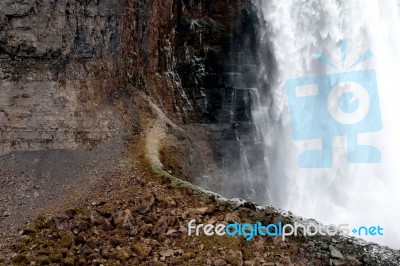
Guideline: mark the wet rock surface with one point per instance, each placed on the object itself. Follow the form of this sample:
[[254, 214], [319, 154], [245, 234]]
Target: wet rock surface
[[218, 61]]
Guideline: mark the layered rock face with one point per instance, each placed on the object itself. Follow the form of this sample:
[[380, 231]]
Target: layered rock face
[[56, 59], [69, 72]]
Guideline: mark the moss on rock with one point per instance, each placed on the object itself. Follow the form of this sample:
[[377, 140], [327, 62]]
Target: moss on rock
[[66, 240]]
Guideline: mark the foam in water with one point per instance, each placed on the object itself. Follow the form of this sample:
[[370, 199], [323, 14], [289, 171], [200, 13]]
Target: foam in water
[[357, 194]]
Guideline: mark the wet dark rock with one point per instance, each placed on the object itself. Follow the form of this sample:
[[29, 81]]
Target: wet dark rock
[[250, 205]]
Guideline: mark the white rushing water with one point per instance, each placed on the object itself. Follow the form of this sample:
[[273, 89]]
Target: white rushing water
[[356, 194]]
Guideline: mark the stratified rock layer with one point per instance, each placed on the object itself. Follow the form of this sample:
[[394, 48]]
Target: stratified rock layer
[[69, 70], [56, 59]]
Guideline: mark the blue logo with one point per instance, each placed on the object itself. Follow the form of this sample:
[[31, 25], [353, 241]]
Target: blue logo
[[340, 104], [368, 231]]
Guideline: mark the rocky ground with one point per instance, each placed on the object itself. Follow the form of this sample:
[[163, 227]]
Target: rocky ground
[[42, 181], [134, 216]]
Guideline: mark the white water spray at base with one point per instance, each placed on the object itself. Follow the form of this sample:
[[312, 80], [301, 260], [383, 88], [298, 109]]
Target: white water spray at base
[[357, 194]]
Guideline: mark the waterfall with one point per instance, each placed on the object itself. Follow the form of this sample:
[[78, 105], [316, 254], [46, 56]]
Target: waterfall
[[347, 193]]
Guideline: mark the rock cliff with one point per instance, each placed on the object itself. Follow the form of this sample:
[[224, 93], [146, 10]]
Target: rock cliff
[[69, 71], [116, 88]]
